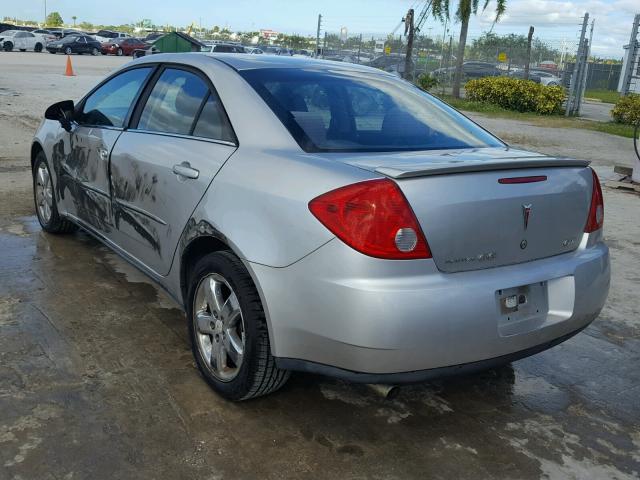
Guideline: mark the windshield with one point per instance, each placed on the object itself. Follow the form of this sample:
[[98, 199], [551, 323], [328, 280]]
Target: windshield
[[342, 111]]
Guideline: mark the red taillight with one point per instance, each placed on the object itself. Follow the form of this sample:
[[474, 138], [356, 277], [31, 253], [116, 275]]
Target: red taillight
[[374, 218], [596, 211]]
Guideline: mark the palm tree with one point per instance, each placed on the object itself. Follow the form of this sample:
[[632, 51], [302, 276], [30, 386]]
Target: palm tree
[[440, 9], [74, 20]]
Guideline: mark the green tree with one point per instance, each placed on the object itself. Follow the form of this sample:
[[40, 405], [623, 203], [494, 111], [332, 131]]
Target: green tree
[[440, 9], [54, 19], [74, 20]]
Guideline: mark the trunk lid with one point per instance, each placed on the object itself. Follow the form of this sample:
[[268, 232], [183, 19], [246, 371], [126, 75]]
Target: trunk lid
[[473, 221]]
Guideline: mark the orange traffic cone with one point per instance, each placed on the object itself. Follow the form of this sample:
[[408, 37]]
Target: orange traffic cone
[[69, 71]]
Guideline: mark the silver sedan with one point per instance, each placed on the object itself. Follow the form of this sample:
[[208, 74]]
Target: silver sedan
[[324, 217]]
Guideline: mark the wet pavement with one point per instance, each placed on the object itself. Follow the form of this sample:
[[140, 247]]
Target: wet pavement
[[97, 381]]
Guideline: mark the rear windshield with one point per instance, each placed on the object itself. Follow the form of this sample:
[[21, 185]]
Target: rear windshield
[[354, 111]]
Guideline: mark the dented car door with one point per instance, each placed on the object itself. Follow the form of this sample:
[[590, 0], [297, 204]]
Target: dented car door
[[179, 138], [81, 157]]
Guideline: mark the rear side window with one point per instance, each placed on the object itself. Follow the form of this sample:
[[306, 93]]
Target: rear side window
[[109, 104], [213, 122], [174, 103]]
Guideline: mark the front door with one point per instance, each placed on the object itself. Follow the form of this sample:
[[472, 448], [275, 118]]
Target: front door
[[19, 41], [161, 168], [81, 158]]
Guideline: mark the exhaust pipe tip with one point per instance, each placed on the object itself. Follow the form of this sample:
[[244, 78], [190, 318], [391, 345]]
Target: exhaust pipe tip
[[388, 392]]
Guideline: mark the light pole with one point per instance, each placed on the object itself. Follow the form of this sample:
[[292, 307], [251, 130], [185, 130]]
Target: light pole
[[45, 13]]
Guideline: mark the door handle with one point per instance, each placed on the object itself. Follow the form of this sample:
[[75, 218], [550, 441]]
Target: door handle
[[184, 170]]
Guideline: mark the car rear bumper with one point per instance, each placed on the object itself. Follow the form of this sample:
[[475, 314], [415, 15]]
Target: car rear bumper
[[337, 310]]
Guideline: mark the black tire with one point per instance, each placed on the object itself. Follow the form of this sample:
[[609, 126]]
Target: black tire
[[56, 224], [94, 51], [37, 48], [119, 52], [68, 51], [258, 374], [7, 46]]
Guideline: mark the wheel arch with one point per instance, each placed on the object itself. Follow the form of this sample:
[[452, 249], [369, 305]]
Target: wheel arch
[[195, 249], [209, 240], [36, 148]]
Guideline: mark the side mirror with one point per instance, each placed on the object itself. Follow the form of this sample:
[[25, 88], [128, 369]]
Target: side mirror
[[62, 112]]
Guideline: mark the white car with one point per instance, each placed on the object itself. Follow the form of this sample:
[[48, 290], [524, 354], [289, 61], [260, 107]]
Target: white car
[[548, 79], [21, 40]]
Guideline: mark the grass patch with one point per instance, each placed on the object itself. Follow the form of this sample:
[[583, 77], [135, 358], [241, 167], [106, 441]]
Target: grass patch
[[552, 121], [606, 96]]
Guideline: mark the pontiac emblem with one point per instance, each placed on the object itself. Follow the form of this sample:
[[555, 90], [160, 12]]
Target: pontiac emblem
[[526, 213]]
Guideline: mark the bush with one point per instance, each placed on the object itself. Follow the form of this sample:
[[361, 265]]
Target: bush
[[516, 94], [627, 109], [427, 82]]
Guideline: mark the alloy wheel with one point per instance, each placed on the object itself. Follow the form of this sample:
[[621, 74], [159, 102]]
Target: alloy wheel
[[219, 327], [44, 193]]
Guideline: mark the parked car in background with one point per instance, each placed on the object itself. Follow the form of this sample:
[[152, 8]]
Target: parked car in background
[[104, 36], [538, 76], [60, 32], [22, 40], [153, 36], [471, 69], [71, 32], [224, 48], [123, 46], [47, 34], [75, 44], [368, 231], [392, 63], [253, 50]]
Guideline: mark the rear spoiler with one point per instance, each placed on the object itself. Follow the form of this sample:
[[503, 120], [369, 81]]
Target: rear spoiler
[[442, 168]]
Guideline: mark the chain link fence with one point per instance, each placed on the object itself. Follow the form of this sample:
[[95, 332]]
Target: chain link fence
[[552, 57]]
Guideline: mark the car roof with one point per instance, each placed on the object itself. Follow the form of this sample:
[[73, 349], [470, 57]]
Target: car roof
[[251, 62]]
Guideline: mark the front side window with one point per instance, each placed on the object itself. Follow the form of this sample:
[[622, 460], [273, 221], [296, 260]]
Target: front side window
[[341, 110], [110, 104], [174, 103]]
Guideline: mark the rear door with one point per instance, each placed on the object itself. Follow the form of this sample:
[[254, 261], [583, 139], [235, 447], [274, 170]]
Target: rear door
[[29, 41], [180, 137]]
